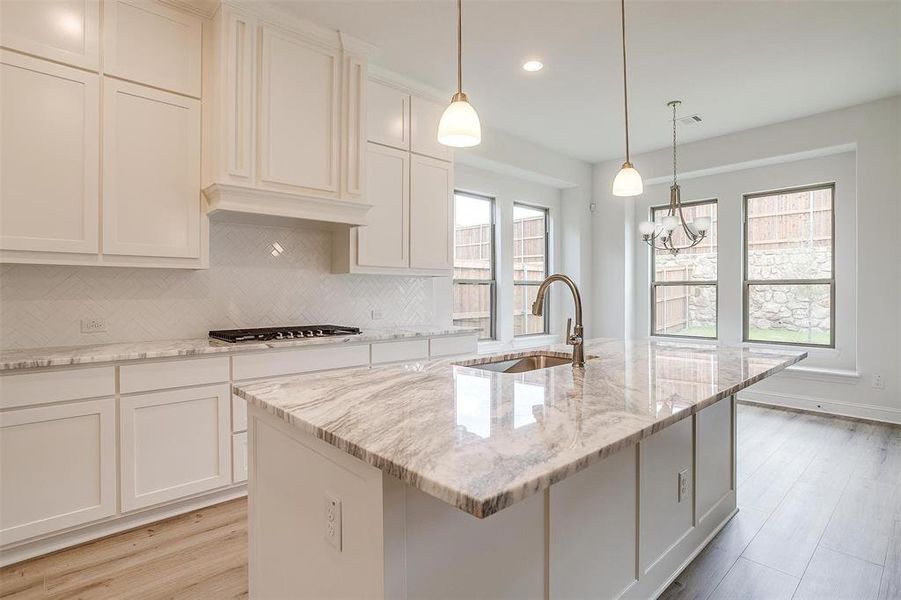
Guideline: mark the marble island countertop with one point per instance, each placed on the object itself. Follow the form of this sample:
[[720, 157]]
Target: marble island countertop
[[482, 440], [100, 353]]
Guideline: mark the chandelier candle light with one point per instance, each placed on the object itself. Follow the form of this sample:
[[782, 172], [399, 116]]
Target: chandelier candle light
[[628, 181], [459, 126], [660, 235]]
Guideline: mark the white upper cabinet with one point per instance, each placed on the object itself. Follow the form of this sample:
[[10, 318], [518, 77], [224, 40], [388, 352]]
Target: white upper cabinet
[[431, 213], [151, 172], [51, 152], [299, 104], [154, 44], [385, 241], [424, 118], [388, 116], [65, 31]]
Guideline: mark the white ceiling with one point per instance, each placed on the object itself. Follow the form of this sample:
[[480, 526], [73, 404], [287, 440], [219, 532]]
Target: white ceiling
[[739, 64]]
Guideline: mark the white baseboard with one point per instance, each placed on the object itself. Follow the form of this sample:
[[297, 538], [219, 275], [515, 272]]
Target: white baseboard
[[857, 410], [73, 537]]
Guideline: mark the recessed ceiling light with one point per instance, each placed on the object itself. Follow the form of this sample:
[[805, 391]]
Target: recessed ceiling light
[[532, 65]]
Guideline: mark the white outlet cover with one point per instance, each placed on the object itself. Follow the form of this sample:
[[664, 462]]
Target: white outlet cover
[[93, 325], [332, 518]]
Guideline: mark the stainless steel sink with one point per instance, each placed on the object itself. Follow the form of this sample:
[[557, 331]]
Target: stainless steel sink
[[520, 363]]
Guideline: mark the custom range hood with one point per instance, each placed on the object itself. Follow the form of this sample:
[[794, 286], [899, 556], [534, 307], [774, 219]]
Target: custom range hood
[[286, 133]]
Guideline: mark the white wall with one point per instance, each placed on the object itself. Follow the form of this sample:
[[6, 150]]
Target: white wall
[[506, 190], [859, 147], [519, 166]]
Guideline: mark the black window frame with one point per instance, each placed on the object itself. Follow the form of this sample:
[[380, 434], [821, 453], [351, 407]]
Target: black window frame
[[747, 283], [492, 282], [654, 284]]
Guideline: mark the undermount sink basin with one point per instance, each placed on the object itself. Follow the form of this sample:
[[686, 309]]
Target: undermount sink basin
[[520, 363]]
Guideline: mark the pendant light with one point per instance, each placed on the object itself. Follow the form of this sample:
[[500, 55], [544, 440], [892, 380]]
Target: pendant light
[[660, 235], [459, 126], [628, 181]]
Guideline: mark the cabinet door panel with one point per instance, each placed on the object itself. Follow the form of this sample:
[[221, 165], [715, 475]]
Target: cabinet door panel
[[58, 467], [154, 44], [431, 213], [388, 116], [424, 118], [50, 147], [151, 172], [354, 135], [239, 39], [66, 31], [174, 444], [239, 457], [385, 241], [299, 142]]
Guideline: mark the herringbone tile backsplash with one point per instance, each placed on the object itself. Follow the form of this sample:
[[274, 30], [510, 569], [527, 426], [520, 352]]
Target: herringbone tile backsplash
[[249, 283]]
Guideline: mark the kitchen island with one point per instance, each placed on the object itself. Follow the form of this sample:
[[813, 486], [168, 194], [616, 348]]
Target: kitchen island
[[446, 479]]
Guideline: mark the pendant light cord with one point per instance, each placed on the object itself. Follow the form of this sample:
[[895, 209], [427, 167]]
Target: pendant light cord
[[675, 104], [459, 46], [625, 85]]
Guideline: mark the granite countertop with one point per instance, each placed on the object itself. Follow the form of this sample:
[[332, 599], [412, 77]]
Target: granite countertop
[[482, 440], [100, 353]]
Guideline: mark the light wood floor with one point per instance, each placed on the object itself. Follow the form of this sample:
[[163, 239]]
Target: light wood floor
[[820, 518]]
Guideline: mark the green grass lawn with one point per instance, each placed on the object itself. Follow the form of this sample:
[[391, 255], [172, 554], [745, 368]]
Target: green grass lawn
[[764, 335]]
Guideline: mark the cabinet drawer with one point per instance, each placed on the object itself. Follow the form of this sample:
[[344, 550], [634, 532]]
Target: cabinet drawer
[[239, 457], [174, 444], [286, 362], [58, 465], [28, 389], [172, 373], [398, 351], [239, 414], [450, 346]]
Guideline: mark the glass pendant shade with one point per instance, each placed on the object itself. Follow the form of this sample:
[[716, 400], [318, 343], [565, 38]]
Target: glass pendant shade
[[670, 222], [702, 223], [459, 126], [647, 227], [627, 182]]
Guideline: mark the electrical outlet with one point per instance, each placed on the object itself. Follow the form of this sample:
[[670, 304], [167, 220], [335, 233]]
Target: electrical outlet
[[377, 314], [93, 325], [878, 382], [683, 485], [333, 521]]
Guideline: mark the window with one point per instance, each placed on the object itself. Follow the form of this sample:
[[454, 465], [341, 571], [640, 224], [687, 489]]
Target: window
[[789, 269], [683, 286], [530, 267], [474, 278]]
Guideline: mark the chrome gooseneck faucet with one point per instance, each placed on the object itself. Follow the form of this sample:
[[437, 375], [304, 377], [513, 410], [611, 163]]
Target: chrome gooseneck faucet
[[574, 337]]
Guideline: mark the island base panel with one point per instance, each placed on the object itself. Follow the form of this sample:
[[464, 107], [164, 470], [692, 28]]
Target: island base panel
[[616, 529]]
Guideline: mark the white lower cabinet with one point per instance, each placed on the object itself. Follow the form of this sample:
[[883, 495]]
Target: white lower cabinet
[[174, 444], [239, 457], [58, 467]]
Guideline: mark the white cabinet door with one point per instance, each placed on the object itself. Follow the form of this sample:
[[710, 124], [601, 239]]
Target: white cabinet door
[[174, 444], [388, 116], [66, 31], [299, 107], [431, 213], [424, 118], [49, 115], [58, 467], [353, 138], [151, 172], [385, 241], [237, 38], [151, 43]]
